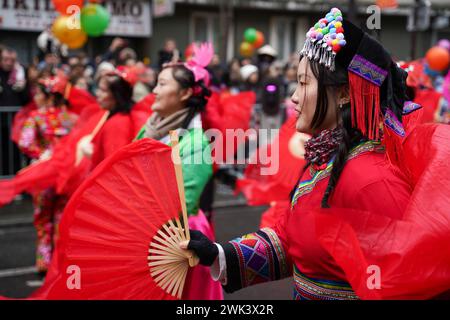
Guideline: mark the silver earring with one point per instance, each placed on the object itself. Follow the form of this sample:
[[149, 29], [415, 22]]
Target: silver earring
[[340, 105]]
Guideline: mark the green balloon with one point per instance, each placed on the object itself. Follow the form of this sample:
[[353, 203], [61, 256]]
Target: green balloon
[[250, 35], [94, 19]]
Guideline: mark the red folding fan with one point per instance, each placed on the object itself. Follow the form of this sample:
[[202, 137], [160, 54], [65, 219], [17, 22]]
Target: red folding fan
[[228, 112], [121, 230], [260, 189]]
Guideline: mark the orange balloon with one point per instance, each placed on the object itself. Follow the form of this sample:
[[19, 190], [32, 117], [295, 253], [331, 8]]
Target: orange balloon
[[78, 41], [246, 49], [438, 58], [259, 40]]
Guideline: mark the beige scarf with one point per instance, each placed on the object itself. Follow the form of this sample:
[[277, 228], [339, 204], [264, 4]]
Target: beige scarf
[[158, 127]]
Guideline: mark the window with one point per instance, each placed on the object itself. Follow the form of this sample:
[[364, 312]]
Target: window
[[287, 34], [282, 36], [205, 27]]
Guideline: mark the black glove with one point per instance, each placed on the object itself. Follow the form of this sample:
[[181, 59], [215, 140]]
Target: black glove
[[204, 248]]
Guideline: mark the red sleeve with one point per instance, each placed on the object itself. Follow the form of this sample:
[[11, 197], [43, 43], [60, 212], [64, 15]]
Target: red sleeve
[[370, 183], [79, 99], [246, 255], [116, 134], [387, 197], [280, 229]]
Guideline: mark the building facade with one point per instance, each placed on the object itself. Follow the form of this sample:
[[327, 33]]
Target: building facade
[[21, 22], [285, 23], [223, 22]]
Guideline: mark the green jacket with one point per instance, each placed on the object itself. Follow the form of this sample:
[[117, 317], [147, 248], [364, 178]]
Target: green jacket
[[195, 154]]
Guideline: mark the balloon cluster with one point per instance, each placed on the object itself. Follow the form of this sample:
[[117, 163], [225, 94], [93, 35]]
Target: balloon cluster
[[329, 30], [73, 26], [253, 39], [438, 57]]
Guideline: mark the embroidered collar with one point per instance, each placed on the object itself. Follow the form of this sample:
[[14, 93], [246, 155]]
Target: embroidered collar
[[305, 187], [321, 148]]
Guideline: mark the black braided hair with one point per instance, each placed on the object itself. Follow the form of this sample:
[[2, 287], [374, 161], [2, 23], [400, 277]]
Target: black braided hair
[[329, 82], [350, 138]]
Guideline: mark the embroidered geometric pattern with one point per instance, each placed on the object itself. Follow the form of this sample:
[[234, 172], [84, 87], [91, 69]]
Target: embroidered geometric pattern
[[276, 245], [261, 257], [410, 107], [307, 186], [367, 70], [393, 123], [313, 289], [368, 146]]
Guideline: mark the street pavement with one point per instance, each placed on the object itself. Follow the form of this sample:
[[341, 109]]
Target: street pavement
[[18, 278]]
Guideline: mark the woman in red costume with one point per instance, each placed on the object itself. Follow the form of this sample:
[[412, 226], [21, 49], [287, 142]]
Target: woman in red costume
[[102, 129], [369, 216], [41, 131], [115, 125]]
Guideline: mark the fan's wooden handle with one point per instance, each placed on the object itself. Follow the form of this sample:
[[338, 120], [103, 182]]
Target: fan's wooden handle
[[180, 182]]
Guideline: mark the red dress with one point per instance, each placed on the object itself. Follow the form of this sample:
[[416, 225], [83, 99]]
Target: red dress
[[365, 180], [120, 130], [116, 133], [385, 237]]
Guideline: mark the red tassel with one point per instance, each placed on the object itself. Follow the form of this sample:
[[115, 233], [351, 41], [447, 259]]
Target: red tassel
[[393, 144], [365, 104]]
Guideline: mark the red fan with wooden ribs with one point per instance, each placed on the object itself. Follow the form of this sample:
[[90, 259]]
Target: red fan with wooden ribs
[[120, 231], [286, 149]]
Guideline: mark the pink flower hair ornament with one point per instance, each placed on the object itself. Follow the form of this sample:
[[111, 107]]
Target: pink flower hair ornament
[[202, 57]]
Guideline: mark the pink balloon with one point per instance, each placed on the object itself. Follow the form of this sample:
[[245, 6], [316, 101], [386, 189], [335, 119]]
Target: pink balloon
[[444, 43]]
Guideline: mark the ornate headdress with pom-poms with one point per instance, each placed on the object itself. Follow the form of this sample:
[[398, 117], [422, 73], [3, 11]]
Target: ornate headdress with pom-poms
[[325, 39], [377, 85]]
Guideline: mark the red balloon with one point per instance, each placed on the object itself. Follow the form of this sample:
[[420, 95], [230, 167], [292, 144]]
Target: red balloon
[[438, 58], [62, 5], [259, 40]]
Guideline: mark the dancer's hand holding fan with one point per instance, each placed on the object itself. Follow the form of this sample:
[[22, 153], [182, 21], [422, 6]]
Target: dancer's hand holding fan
[[121, 230]]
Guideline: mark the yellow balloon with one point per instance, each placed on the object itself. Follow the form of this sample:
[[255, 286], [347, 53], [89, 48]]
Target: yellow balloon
[[69, 31], [246, 50]]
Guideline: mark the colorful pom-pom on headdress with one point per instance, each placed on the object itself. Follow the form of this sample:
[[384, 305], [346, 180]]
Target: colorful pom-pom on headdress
[[325, 39]]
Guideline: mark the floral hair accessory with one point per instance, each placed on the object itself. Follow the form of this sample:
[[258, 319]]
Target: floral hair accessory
[[201, 59], [325, 39], [55, 84], [129, 74]]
